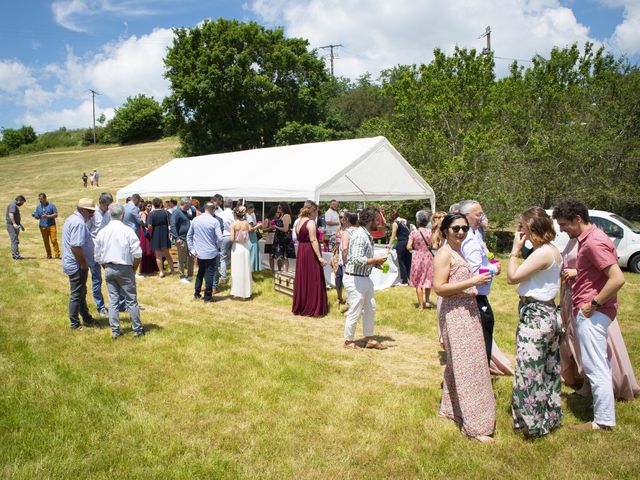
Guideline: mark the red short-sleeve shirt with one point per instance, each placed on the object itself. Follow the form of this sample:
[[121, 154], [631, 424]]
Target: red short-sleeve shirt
[[595, 253]]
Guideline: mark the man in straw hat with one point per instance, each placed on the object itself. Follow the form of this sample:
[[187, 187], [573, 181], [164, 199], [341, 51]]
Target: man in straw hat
[[77, 258]]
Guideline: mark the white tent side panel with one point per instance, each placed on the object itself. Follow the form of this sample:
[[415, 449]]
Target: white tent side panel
[[368, 168]]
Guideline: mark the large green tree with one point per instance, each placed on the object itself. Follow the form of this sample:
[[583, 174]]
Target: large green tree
[[139, 119], [234, 85]]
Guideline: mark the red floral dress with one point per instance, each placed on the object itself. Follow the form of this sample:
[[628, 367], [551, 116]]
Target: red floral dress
[[421, 259]]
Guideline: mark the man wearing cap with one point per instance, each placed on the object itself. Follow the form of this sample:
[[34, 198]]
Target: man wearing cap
[[46, 212], [118, 250], [77, 258]]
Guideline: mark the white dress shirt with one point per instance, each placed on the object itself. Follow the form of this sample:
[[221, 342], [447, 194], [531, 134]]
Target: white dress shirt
[[331, 216], [116, 243], [97, 222], [227, 218]]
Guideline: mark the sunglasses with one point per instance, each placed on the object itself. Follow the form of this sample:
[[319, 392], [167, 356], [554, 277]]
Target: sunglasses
[[457, 228]]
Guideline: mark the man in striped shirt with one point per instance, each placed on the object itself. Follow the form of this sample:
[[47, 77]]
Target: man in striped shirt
[[358, 285]]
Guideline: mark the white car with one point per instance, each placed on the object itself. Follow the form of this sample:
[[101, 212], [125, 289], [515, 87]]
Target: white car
[[624, 234]]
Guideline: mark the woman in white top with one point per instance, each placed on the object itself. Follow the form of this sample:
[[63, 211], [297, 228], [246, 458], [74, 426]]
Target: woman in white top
[[241, 281], [537, 385]]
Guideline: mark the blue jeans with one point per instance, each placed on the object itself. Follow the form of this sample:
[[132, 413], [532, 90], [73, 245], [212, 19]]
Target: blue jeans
[[207, 271], [96, 286]]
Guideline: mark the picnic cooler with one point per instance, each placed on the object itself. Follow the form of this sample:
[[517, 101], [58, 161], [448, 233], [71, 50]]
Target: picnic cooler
[[283, 282]]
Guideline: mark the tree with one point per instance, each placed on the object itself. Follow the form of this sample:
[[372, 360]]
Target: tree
[[234, 85], [294, 133], [14, 139], [139, 119]]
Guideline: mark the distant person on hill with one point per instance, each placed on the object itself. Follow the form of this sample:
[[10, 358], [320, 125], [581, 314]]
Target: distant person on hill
[[117, 248], [14, 226], [77, 259], [85, 179], [95, 178], [46, 212]]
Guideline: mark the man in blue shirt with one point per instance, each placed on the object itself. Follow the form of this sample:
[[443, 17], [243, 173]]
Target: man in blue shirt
[[204, 239], [14, 226], [180, 223], [47, 213], [77, 258], [132, 213]]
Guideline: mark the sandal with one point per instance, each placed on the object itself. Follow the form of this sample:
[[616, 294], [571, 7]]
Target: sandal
[[351, 345], [372, 344]]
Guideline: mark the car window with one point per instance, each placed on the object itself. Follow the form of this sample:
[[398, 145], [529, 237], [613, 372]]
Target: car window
[[626, 222], [608, 227]]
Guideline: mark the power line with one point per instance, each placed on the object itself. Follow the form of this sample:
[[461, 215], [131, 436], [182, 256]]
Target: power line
[[331, 47]]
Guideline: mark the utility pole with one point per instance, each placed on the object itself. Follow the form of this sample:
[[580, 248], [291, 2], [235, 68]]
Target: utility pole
[[331, 47], [93, 98], [487, 34]]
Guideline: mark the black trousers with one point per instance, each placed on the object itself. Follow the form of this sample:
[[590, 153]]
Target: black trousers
[[206, 269], [404, 260], [487, 321], [78, 297]]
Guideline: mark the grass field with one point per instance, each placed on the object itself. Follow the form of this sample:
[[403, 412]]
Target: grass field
[[245, 389]]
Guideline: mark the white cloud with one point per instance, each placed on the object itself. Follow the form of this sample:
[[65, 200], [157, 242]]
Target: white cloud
[[121, 69], [14, 76], [379, 34], [77, 15], [626, 37], [78, 117]]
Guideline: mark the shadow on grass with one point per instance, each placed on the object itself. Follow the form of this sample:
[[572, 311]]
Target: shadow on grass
[[581, 407], [442, 357]]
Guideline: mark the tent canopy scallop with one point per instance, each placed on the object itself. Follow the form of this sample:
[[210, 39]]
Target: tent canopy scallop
[[368, 169]]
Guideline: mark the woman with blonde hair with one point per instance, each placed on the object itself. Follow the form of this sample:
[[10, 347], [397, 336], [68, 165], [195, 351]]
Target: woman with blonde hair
[[241, 280], [535, 402], [310, 291]]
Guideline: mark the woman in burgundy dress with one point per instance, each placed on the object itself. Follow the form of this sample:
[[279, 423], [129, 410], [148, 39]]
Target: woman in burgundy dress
[[310, 291], [148, 262]]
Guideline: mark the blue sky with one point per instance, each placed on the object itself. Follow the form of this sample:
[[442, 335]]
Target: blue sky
[[52, 53]]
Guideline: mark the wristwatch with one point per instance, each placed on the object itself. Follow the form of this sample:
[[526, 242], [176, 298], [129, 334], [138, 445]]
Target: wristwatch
[[594, 303]]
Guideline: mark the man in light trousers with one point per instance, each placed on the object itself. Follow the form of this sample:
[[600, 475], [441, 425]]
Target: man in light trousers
[[595, 287], [358, 285], [118, 250]]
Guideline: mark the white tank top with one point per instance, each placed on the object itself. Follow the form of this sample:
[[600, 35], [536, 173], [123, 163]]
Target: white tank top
[[543, 285]]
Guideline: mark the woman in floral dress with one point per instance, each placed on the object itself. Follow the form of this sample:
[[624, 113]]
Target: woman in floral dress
[[535, 402], [422, 260], [467, 395]]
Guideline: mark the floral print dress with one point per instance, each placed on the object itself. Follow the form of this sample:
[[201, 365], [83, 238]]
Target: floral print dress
[[535, 401]]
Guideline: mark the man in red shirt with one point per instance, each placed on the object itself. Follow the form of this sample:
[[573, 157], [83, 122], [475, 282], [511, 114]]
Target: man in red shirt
[[594, 304]]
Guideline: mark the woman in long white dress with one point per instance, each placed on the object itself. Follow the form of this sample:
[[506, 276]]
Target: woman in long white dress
[[241, 281]]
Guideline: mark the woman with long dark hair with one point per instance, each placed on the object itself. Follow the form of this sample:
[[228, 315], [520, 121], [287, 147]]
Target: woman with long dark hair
[[467, 395], [282, 249]]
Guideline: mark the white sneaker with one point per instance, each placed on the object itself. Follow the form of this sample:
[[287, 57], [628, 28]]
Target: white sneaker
[[139, 276], [184, 280]]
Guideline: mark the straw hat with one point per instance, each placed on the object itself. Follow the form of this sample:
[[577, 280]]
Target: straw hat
[[86, 203]]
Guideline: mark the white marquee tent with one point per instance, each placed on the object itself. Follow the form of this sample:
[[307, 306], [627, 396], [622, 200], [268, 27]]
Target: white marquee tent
[[366, 169]]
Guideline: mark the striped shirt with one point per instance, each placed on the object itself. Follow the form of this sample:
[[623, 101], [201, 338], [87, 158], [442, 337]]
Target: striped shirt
[[360, 250]]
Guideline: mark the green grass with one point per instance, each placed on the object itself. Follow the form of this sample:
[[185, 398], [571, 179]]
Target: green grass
[[244, 389]]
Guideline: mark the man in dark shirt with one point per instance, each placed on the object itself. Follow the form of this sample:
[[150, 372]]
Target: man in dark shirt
[[46, 212], [180, 223], [14, 226]]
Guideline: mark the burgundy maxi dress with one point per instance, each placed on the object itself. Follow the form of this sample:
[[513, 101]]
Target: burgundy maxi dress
[[310, 291]]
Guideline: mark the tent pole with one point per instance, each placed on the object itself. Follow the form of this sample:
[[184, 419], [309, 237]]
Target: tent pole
[[263, 211]]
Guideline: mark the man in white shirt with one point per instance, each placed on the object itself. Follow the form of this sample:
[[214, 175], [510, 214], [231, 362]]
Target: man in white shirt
[[225, 246], [332, 222], [118, 250]]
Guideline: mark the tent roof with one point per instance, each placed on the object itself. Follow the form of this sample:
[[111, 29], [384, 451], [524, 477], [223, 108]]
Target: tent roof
[[362, 169]]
